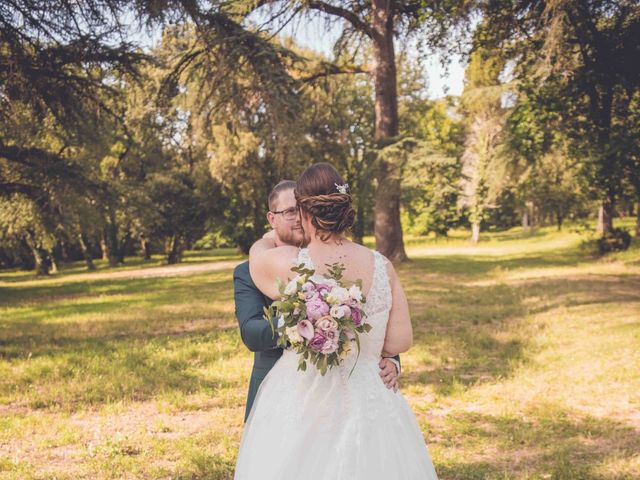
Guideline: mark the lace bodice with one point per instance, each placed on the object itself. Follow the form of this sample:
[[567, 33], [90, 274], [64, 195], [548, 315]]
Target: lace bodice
[[377, 306]]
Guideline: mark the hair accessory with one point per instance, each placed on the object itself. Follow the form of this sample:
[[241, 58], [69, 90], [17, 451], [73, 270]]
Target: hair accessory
[[342, 188]]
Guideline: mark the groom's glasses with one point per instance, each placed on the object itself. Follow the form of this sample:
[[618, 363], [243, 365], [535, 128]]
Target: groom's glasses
[[289, 213]]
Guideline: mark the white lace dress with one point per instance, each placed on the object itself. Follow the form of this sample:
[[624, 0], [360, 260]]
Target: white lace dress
[[307, 426]]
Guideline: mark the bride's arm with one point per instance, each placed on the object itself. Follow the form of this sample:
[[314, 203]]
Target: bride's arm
[[399, 336], [267, 264], [267, 242]]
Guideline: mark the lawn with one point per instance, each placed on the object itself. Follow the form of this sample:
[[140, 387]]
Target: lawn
[[526, 364]]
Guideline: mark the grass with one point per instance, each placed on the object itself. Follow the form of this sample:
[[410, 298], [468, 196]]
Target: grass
[[525, 365]]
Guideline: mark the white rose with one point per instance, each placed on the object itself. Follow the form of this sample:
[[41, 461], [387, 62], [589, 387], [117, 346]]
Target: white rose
[[337, 311], [338, 295], [292, 287], [280, 321], [294, 336], [355, 293]]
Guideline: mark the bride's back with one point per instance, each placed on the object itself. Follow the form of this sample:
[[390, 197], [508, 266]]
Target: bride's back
[[358, 261]]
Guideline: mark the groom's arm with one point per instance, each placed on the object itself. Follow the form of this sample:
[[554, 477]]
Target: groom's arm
[[396, 362], [255, 331]]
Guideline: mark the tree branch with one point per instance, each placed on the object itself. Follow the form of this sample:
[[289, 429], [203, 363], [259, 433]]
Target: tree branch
[[348, 15], [331, 69]]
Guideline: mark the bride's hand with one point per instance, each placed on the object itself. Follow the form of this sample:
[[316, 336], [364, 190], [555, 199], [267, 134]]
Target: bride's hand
[[267, 242]]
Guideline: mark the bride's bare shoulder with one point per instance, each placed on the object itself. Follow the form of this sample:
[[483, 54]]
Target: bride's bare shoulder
[[275, 256], [360, 250], [285, 252]]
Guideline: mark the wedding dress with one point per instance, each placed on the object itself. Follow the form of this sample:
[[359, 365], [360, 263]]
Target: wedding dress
[[305, 426]]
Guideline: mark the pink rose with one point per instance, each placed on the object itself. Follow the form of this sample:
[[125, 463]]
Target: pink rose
[[329, 341], [332, 334], [316, 308], [356, 316], [318, 341], [329, 347], [326, 323], [307, 286], [323, 289], [305, 329]]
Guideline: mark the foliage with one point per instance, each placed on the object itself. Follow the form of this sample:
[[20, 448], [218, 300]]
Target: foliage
[[616, 240], [430, 192], [483, 161], [581, 52]]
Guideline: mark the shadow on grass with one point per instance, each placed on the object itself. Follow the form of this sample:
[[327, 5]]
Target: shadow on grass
[[75, 373], [583, 446], [120, 339], [37, 295], [16, 275], [472, 334], [484, 264]]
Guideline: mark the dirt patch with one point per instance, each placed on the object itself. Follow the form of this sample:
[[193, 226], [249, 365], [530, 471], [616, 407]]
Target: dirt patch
[[151, 272]]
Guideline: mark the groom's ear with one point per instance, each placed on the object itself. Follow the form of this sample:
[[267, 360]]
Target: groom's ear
[[271, 218]]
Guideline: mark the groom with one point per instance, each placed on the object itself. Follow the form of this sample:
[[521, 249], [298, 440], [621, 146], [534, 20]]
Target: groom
[[254, 329]]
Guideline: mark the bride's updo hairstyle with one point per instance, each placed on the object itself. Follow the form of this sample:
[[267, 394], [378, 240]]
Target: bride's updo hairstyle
[[318, 196]]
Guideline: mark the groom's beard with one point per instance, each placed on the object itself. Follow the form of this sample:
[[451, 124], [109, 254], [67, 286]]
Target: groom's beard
[[293, 237]]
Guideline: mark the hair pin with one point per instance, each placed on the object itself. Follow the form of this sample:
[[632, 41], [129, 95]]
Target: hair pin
[[342, 188]]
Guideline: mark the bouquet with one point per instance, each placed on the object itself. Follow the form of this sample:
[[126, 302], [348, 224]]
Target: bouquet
[[319, 320]]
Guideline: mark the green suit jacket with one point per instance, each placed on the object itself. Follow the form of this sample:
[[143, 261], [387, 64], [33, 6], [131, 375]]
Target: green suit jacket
[[255, 330]]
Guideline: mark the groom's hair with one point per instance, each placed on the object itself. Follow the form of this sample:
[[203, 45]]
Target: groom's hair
[[275, 192]]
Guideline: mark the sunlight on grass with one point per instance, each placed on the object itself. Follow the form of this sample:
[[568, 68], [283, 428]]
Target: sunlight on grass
[[524, 364]]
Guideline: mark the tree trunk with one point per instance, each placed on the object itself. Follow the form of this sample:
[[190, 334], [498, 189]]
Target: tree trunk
[[40, 257], [559, 220], [638, 220], [86, 253], [358, 226], [525, 222], [607, 215], [144, 247], [53, 262], [475, 232], [112, 240], [388, 229], [173, 254], [600, 226], [104, 248], [124, 247]]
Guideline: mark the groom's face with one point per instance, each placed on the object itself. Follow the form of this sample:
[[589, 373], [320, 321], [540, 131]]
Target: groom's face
[[287, 228]]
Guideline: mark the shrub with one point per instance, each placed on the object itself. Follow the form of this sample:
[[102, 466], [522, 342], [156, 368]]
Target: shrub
[[616, 240]]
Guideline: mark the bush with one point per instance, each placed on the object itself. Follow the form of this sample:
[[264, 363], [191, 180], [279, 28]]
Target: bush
[[213, 240], [618, 239]]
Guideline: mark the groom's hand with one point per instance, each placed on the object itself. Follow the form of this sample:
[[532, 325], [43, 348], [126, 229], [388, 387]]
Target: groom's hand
[[389, 373]]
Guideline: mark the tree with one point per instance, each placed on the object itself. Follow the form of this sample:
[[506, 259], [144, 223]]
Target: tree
[[430, 192], [21, 224], [339, 119], [483, 166], [547, 178], [588, 51], [377, 22]]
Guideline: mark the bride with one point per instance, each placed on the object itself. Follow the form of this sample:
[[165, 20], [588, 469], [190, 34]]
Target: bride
[[307, 426]]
